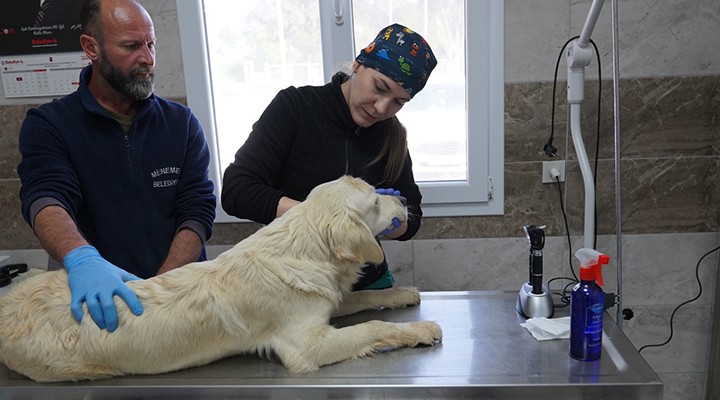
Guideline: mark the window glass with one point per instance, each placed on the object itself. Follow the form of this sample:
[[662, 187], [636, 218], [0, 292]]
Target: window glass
[[435, 118], [256, 48], [238, 54]]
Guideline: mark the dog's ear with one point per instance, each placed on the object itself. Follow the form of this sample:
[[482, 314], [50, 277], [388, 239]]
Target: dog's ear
[[351, 239]]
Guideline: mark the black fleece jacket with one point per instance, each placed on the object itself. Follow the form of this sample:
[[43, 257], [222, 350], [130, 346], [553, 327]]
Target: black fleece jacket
[[305, 137]]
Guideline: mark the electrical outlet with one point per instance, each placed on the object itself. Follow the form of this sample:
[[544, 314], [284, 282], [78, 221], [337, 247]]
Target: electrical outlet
[[550, 167]]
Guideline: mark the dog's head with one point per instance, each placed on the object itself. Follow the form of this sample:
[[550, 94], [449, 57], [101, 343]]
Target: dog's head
[[355, 214]]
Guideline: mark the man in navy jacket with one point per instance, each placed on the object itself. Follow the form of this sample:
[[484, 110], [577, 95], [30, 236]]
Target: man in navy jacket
[[114, 178]]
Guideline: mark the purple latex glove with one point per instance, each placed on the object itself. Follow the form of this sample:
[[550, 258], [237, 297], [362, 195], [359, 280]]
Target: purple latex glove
[[395, 222], [387, 191]]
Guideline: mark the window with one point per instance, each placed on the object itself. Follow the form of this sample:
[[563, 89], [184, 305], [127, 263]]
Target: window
[[238, 54]]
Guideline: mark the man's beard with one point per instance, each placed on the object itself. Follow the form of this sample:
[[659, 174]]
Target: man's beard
[[136, 88]]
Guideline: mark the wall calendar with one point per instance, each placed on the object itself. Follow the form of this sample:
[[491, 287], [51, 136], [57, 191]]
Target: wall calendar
[[40, 53], [42, 74]]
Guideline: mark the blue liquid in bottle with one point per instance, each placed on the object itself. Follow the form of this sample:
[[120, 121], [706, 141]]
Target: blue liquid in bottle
[[586, 321], [587, 305]]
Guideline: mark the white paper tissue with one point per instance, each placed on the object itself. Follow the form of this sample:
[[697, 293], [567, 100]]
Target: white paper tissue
[[548, 328]]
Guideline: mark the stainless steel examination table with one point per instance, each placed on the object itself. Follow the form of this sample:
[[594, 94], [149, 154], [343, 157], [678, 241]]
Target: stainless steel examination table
[[485, 354]]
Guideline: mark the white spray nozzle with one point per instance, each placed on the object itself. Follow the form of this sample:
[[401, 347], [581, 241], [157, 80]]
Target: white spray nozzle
[[589, 257], [591, 262]]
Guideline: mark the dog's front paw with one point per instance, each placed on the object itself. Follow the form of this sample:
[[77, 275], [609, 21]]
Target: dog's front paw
[[401, 297], [428, 333], [406, 334]]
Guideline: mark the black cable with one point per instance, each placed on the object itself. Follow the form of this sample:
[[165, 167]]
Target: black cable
[[564, 294], [672, 316], [597, 137], [550, 150], [566, 290], [564, 297], [567, 229]]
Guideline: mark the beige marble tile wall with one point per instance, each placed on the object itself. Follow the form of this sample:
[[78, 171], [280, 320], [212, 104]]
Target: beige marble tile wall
[[670, 166]]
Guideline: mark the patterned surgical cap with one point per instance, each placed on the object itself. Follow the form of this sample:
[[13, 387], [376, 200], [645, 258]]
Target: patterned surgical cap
[[402, 55]]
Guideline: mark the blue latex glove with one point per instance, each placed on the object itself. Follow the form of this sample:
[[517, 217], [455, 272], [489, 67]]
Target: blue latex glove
[[396, 222], [95, 281]]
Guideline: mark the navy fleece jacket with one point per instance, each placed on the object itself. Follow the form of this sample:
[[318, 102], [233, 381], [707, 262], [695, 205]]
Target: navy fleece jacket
[[129, 193]]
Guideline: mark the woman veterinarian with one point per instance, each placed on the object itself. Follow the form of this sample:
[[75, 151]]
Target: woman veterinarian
[[314, 134]]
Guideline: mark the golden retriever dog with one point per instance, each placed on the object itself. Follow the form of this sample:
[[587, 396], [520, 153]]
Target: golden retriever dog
[[272, 293]]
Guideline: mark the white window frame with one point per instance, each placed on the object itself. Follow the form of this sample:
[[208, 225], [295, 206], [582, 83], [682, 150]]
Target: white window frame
[[482, 193]]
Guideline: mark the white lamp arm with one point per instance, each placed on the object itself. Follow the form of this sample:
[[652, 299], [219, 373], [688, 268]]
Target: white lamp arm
[[578, 57]]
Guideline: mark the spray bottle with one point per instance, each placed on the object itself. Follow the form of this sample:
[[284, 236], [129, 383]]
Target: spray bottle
[[587, 306]]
